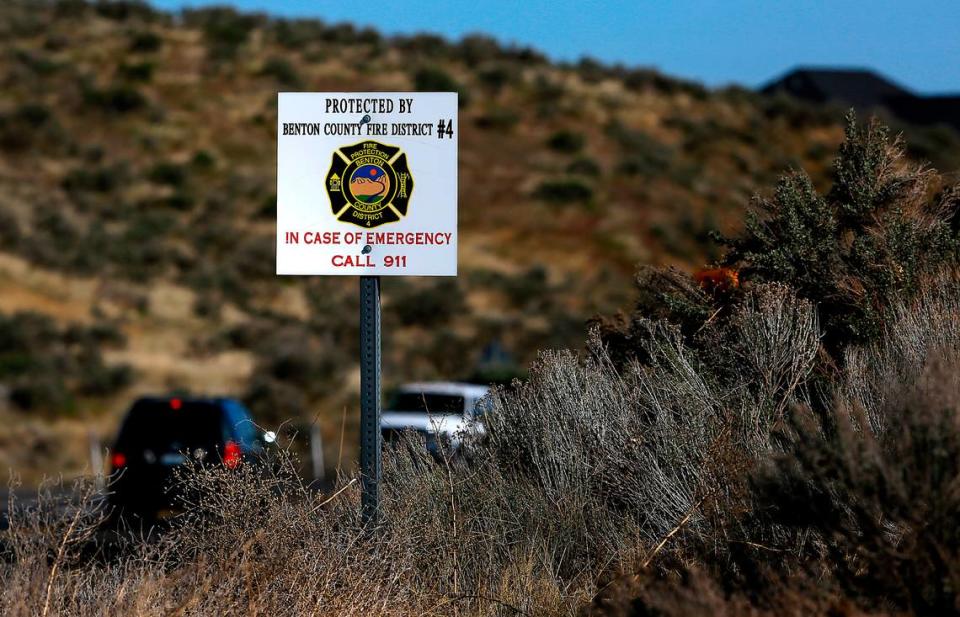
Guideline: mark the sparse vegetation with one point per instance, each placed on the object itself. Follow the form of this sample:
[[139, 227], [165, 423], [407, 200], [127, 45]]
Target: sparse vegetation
[[435, 79], [568, 142], [565, 191], [282, 71], [48, 367], [594, 474], [776, 438]]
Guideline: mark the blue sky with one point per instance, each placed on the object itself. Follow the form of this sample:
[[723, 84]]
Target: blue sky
[[916, 42]]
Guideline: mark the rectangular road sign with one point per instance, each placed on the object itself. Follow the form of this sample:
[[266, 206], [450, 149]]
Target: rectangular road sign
[[367, 183]]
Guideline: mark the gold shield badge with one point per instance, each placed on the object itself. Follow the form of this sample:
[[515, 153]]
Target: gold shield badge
[[369, 184]]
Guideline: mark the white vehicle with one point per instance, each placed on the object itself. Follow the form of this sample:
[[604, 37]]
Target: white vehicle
[[441, 412]]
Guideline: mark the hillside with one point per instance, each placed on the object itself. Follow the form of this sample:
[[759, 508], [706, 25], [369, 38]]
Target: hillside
[[137, 178]]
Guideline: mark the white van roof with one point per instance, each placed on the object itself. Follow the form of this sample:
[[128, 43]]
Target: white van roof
[[467, 390]]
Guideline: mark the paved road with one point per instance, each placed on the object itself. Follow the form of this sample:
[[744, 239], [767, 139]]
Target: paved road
[[28, 498]]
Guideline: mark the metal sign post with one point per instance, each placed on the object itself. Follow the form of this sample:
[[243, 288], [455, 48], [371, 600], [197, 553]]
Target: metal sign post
[[367, 186], [370, 439]]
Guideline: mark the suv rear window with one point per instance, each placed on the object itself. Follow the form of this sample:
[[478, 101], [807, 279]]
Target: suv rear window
[[417, 402], [157, 426]]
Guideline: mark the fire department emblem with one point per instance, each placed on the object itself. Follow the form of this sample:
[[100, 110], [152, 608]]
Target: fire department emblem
[[369, 184]]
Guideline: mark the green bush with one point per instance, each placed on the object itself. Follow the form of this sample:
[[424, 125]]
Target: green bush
[[70, 8], [122, 10], [881, 231], [433, 305], [224, 29], [116, 98], [295, 34], [563, 191], [498, 119], [48, 366], [21, 128], [875, 235], [37, 63], [568, 142], [496, 77], [180, 200], [170, 174], [435, 79], [475, 49], [294, 366], [145, 42], [203, 160], [642, 154], [137, 71], [424, 44], [10, 232], [282, 71], [584, 166], [96, 179]]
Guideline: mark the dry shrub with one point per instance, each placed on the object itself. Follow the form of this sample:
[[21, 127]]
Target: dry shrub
[[586, 470], [669, 488], [855, 510]]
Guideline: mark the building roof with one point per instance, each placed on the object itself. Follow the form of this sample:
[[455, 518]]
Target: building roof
[[857, 87], [866, 90]]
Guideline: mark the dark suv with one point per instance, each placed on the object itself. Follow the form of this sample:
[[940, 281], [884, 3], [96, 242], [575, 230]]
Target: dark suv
[[159, 434]]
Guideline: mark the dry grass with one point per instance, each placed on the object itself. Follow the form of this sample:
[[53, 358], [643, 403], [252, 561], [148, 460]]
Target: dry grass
[[592, 486]]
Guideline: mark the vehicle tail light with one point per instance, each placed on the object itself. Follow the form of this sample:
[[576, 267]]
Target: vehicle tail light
[[175, 403], [231, 455], [118, 460]]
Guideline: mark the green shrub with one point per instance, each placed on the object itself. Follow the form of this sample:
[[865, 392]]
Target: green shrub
[[20, 129], [584, 166], [293, 367], [179, 200], [874, 236], [70, 8], [96, 180], [224, 29], [122, 10], [138, 71], [10, 232], [268, 207], [435, 79], [424, 44], [433, 305], [48, 366], [496, 77], [563, 191], [282, 71], [139, 250], [591, 70], [295, 34], [475, 49], [498, 119], [568, 142], [642, 155], [37, 63], [34, 115], [649, 79], [170, 174], [117, 98], [203, 160], [145, 42]]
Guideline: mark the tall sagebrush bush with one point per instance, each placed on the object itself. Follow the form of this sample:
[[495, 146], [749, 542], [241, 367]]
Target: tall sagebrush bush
[[882, 229]]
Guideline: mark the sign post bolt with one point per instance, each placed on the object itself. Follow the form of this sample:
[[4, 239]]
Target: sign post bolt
[[370, 439]]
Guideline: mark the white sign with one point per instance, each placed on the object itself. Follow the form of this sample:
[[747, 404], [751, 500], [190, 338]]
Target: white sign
[[367, 183]]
